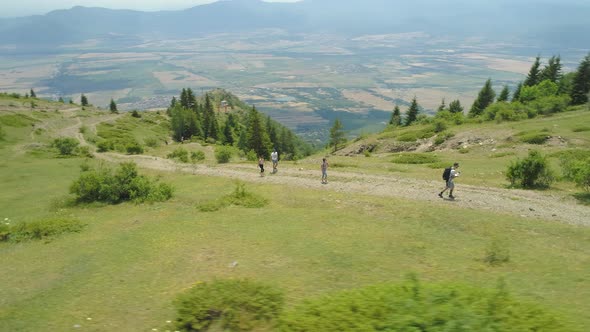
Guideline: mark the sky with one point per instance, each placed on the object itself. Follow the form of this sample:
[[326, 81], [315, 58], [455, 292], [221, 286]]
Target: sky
[[17, 8]]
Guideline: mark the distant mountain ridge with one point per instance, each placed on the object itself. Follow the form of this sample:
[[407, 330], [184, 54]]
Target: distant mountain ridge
[[563, 24]]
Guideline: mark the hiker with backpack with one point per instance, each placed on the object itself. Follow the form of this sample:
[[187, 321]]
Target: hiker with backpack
[[449, 175]]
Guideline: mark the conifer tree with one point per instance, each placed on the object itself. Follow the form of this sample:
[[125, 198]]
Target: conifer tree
[[227, 137], [257, 137], [33, 95], [287, 143], [552, 71], [272, 131], [191, 100], [61, 100], [534, 76], [396, 117], [183, 98], [485, 97], [442, 106], [412, 113], [113, 106], [83, 100], [581, 83], [516, 94], [210, 125], [455, 107], [504, 94], [337, 135], [173, 102]]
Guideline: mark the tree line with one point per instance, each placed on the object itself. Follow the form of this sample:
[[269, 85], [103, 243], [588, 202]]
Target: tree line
[[247, 129]]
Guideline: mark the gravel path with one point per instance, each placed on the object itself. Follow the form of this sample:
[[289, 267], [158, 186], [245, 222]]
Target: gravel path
[[524, 203]]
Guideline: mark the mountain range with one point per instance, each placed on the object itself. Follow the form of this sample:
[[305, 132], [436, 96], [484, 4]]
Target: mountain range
[[543, 23]]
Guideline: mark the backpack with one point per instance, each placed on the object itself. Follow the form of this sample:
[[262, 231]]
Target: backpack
[[447, 174]]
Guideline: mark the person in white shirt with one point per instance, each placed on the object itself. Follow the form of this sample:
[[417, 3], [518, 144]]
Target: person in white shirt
[[275, 160], [450, 184]]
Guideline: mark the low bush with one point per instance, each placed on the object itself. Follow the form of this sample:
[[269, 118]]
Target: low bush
[[534, 137], [415, 158], [580, 129], [442, 137], [412, 136], [496, 253], [135, 114], [439, 125], [151, 142], [223, 154], [239, 197], [124, 184], [414, 306], [134, 148], [39, 230], [179, 154], [530, 172], [84, 151], [197, 156], [231, 305], [65, 145]]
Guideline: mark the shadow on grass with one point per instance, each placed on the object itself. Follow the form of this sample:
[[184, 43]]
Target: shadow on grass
[[583, 198]]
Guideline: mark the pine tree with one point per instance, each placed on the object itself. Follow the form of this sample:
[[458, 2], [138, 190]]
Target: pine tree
[[581, 83], [191, 100], [337, 135], [455, 107], [485, 97], [113, 106], [396, 117], [228, 137], [183, 98], [272, 131], [442, 106], [173, 102], [61, 100], [552, 71], [534, 76], [516, 94], [83, 100], [257, 137], [504, 94], [33, 95], [412, 113], [210, 125]]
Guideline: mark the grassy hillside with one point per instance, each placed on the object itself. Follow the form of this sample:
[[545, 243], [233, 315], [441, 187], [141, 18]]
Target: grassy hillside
[[124, 269]]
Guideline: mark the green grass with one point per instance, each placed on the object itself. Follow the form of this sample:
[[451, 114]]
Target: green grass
[[125, 268]]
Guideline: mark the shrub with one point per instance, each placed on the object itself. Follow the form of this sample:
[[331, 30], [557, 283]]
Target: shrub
[[439, 125], [104, 185], [83, 130], [237, 305], [135, 114], [531, 172], [151, 142], [134, 148], [442, 137], [197, 156], [105, 146], [179, 154], [579, 172], [39, 230], [251, 156], [534, 137], [415, 158], [496, 253], [581, 129], [239, 197], [223, 154], [84, 151], [414, 306], [65, 145]]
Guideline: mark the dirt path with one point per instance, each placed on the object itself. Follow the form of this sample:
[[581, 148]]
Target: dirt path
[[524, 203], [518, 202]]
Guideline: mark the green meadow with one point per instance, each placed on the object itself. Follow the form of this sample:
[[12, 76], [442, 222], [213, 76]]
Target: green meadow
[[130, 262]]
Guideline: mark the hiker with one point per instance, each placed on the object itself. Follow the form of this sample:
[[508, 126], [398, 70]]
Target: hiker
[[324, 168], [274, 156], [261, 165], [449, 175]]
